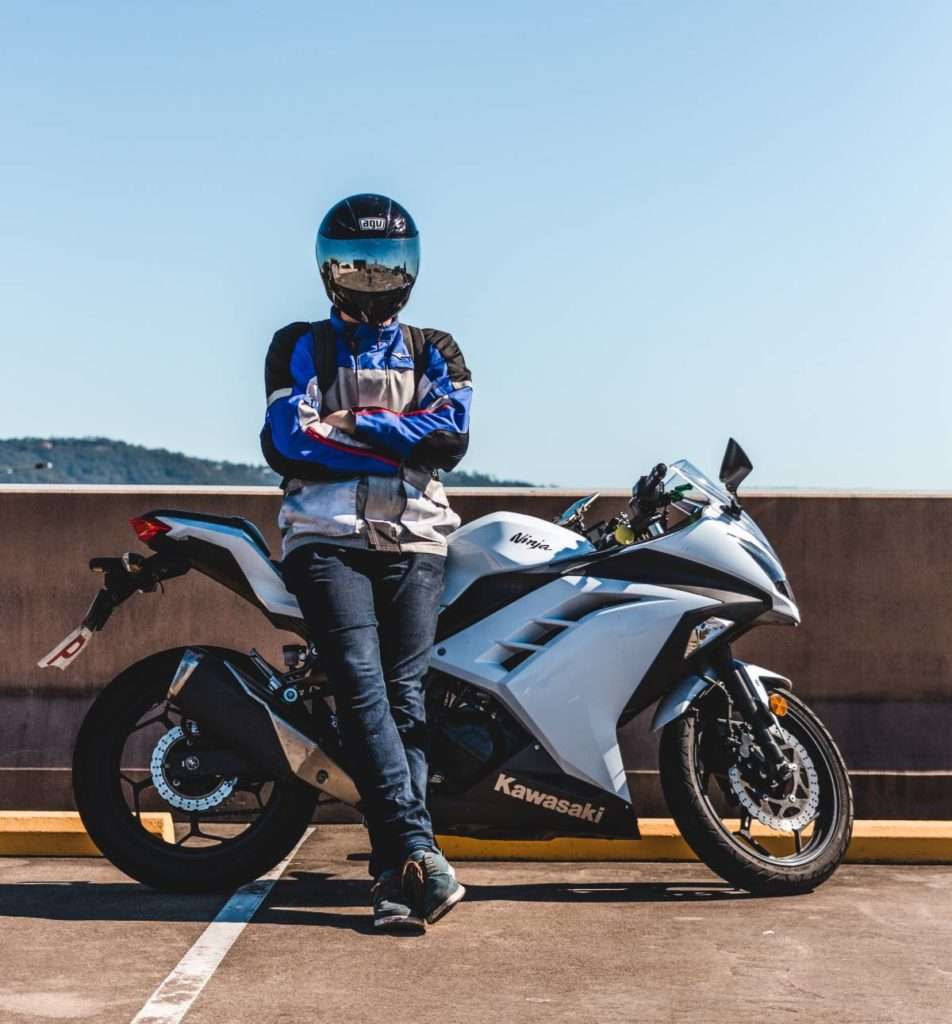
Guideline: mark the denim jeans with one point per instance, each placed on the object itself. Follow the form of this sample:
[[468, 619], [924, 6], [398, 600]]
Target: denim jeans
[[373, 615]]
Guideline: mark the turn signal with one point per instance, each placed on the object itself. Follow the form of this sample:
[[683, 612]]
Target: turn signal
[[778, 704]]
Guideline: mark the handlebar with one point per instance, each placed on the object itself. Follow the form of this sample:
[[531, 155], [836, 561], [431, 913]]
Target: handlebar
[[647, 507], [647, 499], [648, 494]]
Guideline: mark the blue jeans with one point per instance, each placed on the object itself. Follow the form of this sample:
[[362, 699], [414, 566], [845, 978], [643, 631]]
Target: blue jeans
[[373, 616]]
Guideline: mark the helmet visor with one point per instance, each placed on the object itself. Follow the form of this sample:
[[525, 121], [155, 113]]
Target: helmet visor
[[369, 264]]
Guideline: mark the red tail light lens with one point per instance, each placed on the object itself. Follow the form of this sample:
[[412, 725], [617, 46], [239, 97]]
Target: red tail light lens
[[147, 529]]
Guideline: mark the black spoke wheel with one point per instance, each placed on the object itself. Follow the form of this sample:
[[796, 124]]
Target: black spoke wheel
[[229, 828], [768, 840]]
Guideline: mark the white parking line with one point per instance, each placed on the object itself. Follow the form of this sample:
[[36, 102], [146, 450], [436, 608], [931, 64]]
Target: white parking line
[[169, 1003]]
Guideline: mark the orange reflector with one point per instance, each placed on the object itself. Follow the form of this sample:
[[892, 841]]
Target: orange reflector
[[778, 704]]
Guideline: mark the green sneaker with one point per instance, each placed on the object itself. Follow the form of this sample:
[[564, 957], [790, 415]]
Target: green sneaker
[[429, 879], [393, 911]]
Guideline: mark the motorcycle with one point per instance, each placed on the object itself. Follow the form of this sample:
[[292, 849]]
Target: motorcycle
[[551, 636]]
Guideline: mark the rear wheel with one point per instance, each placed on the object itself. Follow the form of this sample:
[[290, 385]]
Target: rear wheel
[[772, 840], [229, 828]]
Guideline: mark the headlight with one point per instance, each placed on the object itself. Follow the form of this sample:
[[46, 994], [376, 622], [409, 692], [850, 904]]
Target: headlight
[[704, 632]]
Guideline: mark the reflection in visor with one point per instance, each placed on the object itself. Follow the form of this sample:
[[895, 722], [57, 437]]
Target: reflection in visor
[[369, 264]]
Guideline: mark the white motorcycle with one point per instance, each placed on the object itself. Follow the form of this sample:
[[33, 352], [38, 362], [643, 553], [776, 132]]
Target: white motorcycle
[[550, 637]]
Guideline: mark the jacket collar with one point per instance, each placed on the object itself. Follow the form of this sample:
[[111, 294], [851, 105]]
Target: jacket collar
[[365, 335]]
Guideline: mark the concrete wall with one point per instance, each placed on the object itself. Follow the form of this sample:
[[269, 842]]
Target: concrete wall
[[873, 656]]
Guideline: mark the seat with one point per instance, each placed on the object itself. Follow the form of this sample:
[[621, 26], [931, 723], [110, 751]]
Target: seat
[[246, 526]]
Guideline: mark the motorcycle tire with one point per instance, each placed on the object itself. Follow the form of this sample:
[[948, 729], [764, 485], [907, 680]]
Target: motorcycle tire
[[720, 849], [115, 829]]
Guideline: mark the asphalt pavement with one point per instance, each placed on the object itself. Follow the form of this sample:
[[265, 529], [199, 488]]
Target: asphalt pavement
[[533, 942]]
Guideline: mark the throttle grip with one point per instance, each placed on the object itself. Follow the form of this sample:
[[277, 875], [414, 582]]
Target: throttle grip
[[657, 475], [647, 492]]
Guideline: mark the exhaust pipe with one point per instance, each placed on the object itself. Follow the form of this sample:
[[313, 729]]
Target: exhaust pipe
[[235, 709]]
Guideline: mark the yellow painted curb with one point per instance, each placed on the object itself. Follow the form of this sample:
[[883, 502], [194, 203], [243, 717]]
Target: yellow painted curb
[[61, 833], [874, 842]]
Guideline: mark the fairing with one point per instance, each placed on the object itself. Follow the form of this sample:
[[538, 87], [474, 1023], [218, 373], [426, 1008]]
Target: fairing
[[565, 660], [504, 541], [254, 572]]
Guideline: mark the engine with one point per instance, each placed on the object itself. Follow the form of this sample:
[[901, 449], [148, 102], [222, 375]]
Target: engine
[[469, 733]]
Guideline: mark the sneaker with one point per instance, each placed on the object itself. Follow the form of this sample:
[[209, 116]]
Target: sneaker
[[430, 879], [393, 911]]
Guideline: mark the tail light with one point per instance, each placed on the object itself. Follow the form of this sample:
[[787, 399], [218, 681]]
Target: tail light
[[147, 528]]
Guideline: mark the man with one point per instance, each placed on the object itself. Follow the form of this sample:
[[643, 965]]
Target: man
[[362, 412]]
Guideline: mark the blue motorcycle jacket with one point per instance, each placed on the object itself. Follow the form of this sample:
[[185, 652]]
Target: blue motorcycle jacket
[[410, 391]]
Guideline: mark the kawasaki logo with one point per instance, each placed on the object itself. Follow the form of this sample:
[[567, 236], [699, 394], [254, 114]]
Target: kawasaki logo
[[508, 786], [532, 542]]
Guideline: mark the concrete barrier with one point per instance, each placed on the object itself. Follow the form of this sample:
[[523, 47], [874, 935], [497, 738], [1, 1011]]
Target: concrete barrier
[[873, 656]]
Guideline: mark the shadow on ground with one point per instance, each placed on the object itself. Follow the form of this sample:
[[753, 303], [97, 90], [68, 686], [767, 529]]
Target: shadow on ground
[[313, 898]]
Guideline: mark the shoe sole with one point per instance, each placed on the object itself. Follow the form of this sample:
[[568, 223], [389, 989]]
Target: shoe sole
[[400, 924], [446, 906]]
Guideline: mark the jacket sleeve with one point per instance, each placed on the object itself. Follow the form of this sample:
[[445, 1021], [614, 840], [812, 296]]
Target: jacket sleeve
[[435, 433], [294, 441]]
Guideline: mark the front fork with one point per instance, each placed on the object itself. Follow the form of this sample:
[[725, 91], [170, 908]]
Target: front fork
[[742, 691]]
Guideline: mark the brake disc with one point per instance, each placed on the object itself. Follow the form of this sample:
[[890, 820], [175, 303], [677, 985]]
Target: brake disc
[[170, 789], [797, 804]]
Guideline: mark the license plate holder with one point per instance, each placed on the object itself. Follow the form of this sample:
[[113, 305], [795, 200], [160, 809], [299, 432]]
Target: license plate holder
[[67, 650]]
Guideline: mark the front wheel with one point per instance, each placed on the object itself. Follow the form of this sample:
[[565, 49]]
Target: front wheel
[[773, 841]]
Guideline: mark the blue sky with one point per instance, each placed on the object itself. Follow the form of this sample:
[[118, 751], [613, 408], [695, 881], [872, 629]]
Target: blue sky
[[649, 225]]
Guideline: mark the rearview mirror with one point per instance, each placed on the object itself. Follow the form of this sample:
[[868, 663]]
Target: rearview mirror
[[735, 466], [574, 513]]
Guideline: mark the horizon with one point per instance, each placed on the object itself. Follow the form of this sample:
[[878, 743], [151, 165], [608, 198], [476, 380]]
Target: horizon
[[497, 483]]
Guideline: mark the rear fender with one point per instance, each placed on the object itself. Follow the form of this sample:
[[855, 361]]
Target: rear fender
[[124, 576]]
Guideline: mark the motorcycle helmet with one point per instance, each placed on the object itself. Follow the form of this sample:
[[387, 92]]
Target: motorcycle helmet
[[368, 251]]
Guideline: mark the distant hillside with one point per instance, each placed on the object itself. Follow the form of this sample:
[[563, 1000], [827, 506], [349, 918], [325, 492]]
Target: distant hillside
[[99, 460]]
